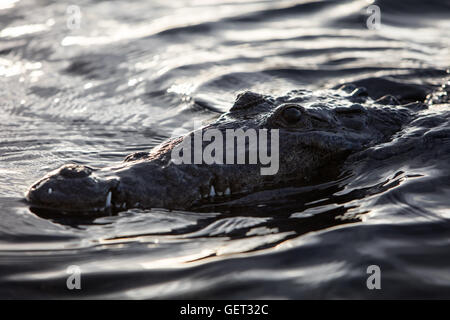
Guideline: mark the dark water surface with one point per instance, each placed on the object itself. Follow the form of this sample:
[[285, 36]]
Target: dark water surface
[[128, 75]]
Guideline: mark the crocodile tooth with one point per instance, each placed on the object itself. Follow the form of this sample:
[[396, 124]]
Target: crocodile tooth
[[50, 190], [108, 200], [227, 191], [212, 192], [219, 193]]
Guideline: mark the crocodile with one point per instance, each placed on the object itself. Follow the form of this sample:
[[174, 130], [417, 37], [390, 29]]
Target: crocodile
[[317, 131]]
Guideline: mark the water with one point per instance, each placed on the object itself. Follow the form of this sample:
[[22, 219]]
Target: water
[[125, 76]]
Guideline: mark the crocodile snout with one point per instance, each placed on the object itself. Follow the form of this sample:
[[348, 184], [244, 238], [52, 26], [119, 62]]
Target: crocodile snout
[[72, 188]]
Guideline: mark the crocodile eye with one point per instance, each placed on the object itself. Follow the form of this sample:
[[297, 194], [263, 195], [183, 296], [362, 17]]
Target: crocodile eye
[[292, 115]]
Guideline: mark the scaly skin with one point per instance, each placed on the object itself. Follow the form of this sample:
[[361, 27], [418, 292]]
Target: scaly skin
[[317, 132]]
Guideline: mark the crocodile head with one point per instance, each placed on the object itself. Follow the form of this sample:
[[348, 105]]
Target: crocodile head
[[263, 142]]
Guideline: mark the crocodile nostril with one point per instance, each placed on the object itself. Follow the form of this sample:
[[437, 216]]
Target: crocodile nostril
[[75, 171], [292, 114]]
